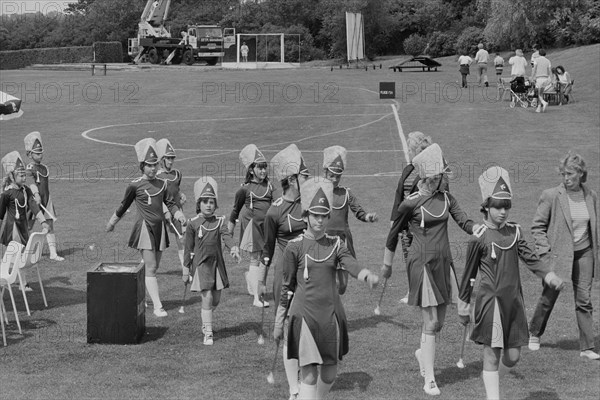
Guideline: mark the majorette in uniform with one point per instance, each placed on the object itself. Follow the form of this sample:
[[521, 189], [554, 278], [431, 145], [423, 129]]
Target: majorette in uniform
[[173, 178], [432, 278], [154, 205], [15, 201], [203, 254], [317, 332], [38, 175], [283, 220], [334, 164], [250, 206], [494, 252]]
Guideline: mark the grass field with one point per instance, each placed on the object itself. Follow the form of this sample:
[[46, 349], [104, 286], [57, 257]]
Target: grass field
[[89, 125]]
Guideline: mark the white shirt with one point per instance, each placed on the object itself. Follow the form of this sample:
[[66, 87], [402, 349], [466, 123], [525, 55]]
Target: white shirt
[[482, 56], [518, 65], [465, 60]]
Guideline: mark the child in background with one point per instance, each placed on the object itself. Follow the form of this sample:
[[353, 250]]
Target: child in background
[[155, 207], [317, 332], [38, 172], [334, 163], [499, 316], [166, 155], [203, 250], [251, 203], [16, 200], [499, 65]]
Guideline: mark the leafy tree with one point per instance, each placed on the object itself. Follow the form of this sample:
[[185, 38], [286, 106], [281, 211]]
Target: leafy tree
[[415, 44]]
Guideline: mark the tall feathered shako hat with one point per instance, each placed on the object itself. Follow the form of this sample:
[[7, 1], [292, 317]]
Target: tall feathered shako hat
[[334, 159], [495, 183], [33, 143], [316, 195], [288, 162], [12, 162], [430, 162], [146, 151], [164, 149], [206, 187], [251, 155]]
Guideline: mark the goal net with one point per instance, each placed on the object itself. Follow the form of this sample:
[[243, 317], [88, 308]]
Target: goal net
[[269, 48]]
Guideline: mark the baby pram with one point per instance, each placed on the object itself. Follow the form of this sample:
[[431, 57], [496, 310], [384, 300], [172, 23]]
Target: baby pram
[[522, 92]]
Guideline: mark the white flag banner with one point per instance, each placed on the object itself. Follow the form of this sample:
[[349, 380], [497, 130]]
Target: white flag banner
[[10, 107], [355, 36]]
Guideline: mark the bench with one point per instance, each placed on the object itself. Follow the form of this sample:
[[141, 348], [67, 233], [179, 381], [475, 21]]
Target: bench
[[421, 62]]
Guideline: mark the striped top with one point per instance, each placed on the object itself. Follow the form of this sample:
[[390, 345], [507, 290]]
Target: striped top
[[580, 219]]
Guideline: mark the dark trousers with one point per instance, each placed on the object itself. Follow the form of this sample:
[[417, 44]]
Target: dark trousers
[[583, 267]]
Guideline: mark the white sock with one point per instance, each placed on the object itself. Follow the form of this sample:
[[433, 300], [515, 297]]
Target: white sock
[[253, 278], [491, 381], [307, 392], [51, 238], [207, 320], [291, 370], [152, 288], [503, 370], [180, 253], [428, 355], [323, 388]]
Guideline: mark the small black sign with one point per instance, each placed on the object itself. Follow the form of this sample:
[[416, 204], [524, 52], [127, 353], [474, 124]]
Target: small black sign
[[387, 90]]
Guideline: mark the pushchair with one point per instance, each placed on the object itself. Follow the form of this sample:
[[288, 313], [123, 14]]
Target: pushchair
[[522, 92]]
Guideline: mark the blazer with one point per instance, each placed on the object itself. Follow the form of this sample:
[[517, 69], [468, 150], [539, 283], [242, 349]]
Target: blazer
[[553, 231]]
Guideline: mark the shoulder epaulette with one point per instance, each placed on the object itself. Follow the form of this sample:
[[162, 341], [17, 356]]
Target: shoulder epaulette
[[480, 231], [136, 180], [297, 238], [278, 202], [328, 236], [30, 165], [413, 196], [195, 218]]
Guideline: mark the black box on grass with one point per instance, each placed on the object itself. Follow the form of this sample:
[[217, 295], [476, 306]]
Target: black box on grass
[[116, 312]]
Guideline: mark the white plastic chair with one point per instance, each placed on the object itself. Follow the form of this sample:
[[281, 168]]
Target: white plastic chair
[[29, 259], [9, 271]]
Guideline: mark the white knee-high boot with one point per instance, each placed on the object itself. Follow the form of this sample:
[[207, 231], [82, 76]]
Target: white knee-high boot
[[291, 370], [256, 272], [307, 392], [51, 238], [152, 288], [323, 388], [180, 254], [491, 382], [428, 359]]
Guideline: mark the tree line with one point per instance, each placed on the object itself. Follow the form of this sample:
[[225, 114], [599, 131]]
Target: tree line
[[444, 27]]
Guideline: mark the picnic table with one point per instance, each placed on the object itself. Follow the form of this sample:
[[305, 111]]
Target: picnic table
[[420, 62]]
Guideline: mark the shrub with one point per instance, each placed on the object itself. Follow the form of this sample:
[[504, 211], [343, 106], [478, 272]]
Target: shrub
[[415, 44], [108, 52], [15, 59], [442, 44], [467, 41]]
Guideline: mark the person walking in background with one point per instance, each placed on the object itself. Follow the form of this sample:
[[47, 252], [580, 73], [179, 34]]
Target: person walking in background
[[244, 51], [433, 285], [39, 174], [317, 328], [566, 230], [498, 65], [464, 61], [204, 241], [518, 64], [535, 54], [500, 324], [250, 206], [565, 83], [482, 58], [541, 74]]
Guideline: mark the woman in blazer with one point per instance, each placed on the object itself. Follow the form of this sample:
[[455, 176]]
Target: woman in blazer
[[565, 228]]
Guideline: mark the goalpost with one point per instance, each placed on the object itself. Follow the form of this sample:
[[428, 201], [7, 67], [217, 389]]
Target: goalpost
[[264, 49]]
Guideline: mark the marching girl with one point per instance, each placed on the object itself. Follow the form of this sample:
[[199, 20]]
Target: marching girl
[[251, 203], [166, 155], [16, 200], [284, 222], [204, 253], [432, 279], [317, 332], [154, 208], [499, 319], [334, 163], [40, 188]]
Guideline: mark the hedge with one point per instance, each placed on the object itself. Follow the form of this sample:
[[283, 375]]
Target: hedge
[[15, 59], [108, 52]]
